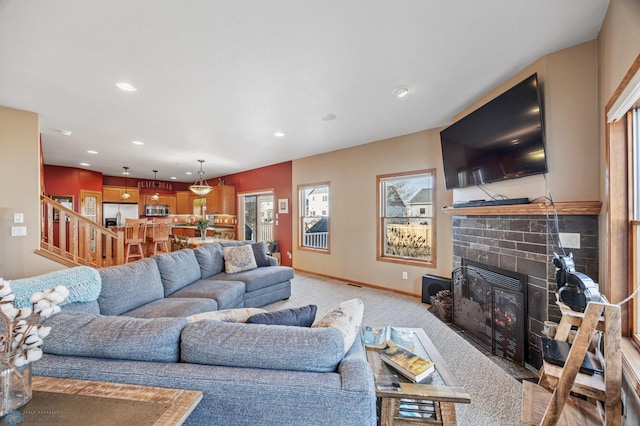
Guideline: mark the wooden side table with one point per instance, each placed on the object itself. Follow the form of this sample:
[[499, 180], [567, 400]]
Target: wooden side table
[[277, 256]]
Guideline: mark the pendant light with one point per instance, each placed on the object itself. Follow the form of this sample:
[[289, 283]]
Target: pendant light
[[126, 194], [200, 187], [156, 196]]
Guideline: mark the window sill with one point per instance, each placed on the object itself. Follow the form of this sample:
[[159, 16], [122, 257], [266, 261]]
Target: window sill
[[631, 362]]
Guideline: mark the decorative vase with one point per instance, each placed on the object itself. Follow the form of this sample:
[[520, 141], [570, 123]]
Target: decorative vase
[[203, 232], [15, 384]]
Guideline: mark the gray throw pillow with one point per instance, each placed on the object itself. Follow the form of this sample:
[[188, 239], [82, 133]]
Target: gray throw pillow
[[260, 253], [300, 317]]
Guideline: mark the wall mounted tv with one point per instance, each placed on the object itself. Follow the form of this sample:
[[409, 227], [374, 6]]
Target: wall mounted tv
[[503, 139]]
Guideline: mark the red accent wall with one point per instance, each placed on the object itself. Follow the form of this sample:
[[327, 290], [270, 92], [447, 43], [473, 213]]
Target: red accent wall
[[279, 178], [59, 180]]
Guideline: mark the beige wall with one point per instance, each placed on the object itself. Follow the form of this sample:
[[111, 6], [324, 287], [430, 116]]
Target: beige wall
[[569, 80], [352, 176], [569, 83], [20, 183]]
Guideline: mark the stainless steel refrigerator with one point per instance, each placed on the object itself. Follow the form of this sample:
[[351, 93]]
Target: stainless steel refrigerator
[[119, 212]]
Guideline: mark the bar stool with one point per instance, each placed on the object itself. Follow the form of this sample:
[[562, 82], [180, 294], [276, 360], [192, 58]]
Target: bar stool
[[160, 235], [134, 236]]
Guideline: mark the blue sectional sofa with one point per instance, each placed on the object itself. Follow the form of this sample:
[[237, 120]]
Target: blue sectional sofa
[[140, 330]]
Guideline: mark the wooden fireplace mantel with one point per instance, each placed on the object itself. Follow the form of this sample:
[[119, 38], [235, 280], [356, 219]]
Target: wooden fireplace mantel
[[535, 208]]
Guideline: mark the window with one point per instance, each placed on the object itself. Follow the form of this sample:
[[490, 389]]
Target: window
[[314, 216], [406, 231], [634, 257], [622, 210]]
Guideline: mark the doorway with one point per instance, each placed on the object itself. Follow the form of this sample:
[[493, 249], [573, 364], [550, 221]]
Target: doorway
[[257, 216]]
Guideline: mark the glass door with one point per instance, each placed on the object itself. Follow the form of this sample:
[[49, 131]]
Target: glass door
[[257, 217]]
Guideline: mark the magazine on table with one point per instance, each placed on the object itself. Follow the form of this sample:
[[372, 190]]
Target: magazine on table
[[379, 337], [408, 363]]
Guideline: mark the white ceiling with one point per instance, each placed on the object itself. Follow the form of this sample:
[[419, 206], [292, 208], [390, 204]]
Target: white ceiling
[[216, 78]]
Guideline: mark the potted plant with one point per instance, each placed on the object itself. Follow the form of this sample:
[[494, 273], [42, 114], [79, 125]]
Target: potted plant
[[272, 246]]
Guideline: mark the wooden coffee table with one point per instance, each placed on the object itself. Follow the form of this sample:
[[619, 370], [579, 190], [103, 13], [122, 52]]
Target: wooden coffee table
[[83, 402], [442, 388]]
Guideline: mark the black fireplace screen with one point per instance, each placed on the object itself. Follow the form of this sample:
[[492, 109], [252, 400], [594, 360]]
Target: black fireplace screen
[[489, 303]]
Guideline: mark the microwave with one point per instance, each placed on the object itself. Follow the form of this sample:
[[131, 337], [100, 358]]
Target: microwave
[[156, 210]]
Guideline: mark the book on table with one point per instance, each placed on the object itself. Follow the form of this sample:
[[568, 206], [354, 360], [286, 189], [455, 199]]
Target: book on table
[[410, 364]]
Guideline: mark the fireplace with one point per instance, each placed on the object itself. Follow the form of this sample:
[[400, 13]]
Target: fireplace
[[490, 304], [525, 243]]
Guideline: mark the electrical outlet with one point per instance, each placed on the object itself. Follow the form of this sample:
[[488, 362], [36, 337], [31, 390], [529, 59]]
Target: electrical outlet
[[569, 240], [404, 275], [18, 231]]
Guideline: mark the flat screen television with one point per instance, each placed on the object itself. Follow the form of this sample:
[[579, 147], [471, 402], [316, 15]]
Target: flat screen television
[[503, 139]]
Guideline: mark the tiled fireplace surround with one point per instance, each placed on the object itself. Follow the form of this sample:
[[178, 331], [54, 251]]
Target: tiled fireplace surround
[[522, 242]]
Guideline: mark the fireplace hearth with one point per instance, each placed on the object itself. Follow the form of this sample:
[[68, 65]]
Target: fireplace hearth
[[490, 305]]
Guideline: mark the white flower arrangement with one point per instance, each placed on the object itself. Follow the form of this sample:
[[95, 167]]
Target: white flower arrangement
[[23, 333]]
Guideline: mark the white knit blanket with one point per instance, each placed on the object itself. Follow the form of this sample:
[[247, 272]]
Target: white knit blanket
[[83, 283]]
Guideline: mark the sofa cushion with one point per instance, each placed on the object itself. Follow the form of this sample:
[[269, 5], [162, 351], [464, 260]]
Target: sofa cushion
[[126, 287], [261, 346], [210, 259], [260, 254], [114, 337], [258, 278], [346, 318], [228, 294], [300, 317], [174, 307], [86, 307], [227, 315], [177, 269], [238, 259]]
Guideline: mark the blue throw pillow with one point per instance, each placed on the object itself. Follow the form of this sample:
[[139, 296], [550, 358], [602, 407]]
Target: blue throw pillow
[[260, 253], [300, 317]]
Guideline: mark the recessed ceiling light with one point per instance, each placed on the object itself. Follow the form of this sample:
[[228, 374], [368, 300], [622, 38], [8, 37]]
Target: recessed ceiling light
[[173, 178], [401, 92], [92, 152], [137, 142], [328, 117], [126, 173], [279, 134], [85, 164], [126, 87], [188, 173]]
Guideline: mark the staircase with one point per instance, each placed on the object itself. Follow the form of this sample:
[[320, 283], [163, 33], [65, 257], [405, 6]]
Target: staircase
[[68, 238]]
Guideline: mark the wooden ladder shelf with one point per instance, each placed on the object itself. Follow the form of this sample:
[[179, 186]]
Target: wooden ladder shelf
[[549, 402]]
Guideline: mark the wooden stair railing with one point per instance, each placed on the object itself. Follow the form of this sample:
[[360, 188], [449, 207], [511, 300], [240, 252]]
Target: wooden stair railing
[[73, 240]]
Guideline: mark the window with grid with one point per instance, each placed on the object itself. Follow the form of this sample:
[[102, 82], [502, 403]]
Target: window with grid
[[406, 217], [314, 216], [634, 223]]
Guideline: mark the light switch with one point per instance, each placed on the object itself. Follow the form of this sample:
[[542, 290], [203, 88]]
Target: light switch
[[18, 231], [18, 218]]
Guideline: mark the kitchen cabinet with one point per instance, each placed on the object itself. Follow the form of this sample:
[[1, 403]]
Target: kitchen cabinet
[[221, 200], [184, 202], [112, 194]]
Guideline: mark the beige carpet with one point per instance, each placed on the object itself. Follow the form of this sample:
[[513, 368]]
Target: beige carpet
[[495, 395]]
